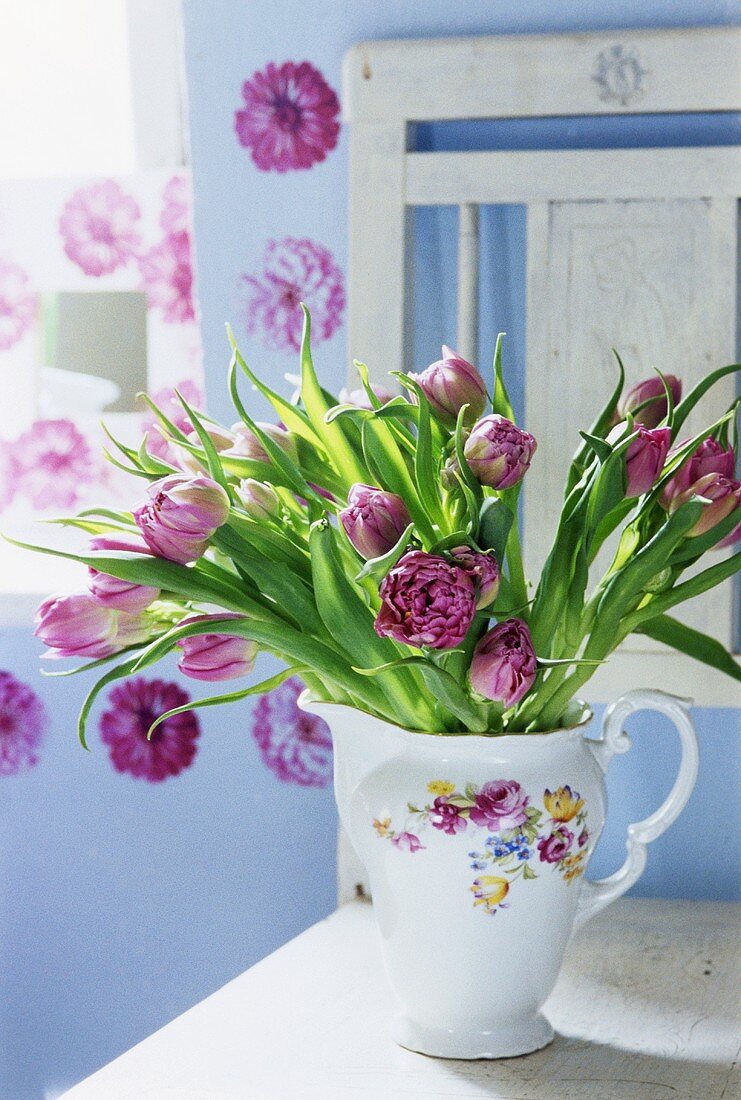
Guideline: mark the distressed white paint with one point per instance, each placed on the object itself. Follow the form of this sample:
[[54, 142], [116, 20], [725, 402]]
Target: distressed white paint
[[533, 75], [586, 175], [379, 277], [661, 220], [656, 279], [467, 342], [646, 1008]]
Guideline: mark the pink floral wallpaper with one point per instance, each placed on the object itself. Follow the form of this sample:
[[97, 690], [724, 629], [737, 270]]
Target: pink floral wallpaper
[[132, 233], [292, 271], [296, 746], [18, 304], [290, 118], [23, 725], [133, 706], [98, 227], [50, 464]]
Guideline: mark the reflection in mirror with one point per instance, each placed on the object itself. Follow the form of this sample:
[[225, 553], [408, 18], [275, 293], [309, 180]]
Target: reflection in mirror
[[95, 352]]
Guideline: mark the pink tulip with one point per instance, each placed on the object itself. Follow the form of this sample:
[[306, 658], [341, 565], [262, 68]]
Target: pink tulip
[[645, 458], [498, 452], [426, 601], [181, 515], [221, 438], [247, 445], [259, 499], [649, 390], [723, 495], [450, 383], [216, 657], [374, 520], [79, 626], [112, 591], [483, 569], [709, 458], [504, 664], [359, 398]]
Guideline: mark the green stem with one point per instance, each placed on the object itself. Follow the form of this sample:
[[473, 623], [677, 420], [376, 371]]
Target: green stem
[[515, 569]]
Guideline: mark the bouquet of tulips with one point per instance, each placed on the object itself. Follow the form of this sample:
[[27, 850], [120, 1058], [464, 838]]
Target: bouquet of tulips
[[373, 546]]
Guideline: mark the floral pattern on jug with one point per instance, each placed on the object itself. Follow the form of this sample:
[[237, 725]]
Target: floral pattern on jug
[[521, 836]]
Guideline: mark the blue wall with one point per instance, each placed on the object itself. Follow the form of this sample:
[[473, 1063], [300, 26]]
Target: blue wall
[[122, 903]]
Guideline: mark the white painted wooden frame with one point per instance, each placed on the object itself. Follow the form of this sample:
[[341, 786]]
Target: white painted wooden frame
[[580, 205]]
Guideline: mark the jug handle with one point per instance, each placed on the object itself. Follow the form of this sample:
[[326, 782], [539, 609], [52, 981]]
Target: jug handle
[[596, 895]]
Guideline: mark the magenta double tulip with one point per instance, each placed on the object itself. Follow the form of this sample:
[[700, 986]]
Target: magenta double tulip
[[498, 452], [426, 601], [181, 515], [374, 520], [215, 657], [709, 458], [449, 384], [723, 495], [504, 664], [645, 458], [78, 625], [483, 569], [112, 591], [650, 394]]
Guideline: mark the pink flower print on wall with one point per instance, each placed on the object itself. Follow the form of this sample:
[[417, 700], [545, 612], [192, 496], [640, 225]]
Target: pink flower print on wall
[[18, 304], [134, 705], [7, 475], [23, 725], [294, 271], [175, 216], [167, 272], [51, 462], [290, 117], [98, 228], [166, 400], [296, 746]]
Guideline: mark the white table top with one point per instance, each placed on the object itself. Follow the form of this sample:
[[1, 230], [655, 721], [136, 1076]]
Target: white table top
[[646, 1008]]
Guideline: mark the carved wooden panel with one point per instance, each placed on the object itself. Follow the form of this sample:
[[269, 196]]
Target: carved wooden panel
[[656, 280]]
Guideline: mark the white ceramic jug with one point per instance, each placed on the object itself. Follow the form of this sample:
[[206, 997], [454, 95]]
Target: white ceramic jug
[[476, 848]]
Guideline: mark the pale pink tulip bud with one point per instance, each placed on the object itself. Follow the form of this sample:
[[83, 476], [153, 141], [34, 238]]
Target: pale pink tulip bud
[[181, 515], [247, 445], [498, 452], [645, 458], [374, 520], [359, 398], [221, 438], [259, 499], [215, 657], [723, 495], [504, 664], [449, 384], [112, 591], [78, 625], [483, 569], [649, 390], [709, 458]]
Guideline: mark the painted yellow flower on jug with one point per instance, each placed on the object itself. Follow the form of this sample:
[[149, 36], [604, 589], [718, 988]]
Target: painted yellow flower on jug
[[441, 787], [562, 804], [489, 891], [382, 826]]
